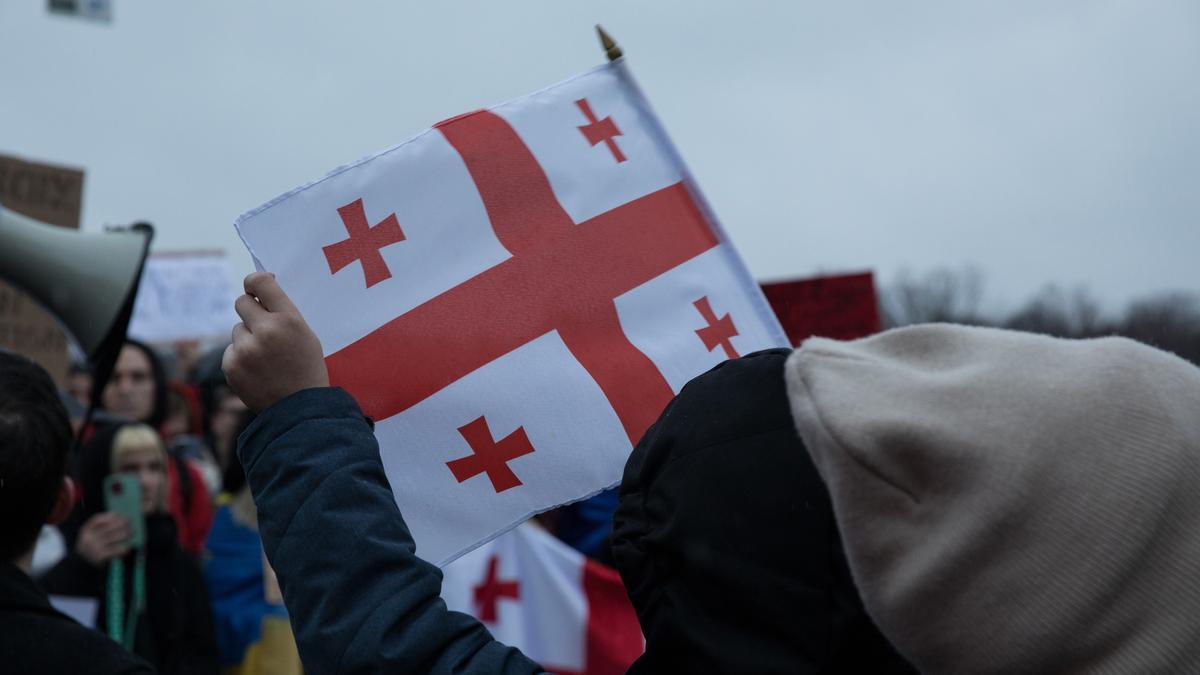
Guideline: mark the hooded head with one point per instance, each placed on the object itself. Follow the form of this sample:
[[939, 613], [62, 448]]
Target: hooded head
[[726, 542], [137, 389], [1012, 503]]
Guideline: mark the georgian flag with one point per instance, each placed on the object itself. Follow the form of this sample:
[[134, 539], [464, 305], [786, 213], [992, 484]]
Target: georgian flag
[[568, 613], [513, 296]]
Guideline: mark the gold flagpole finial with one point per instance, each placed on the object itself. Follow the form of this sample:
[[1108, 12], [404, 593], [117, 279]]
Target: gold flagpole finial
[[611, 50]]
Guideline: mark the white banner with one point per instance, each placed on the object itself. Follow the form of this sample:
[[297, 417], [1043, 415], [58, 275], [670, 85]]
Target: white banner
[[186, 295]]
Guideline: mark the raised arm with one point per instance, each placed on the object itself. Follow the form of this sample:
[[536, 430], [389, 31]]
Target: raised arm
[[359, 599]]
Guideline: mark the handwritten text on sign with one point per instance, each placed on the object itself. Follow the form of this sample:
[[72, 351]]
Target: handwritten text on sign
[[184, 296]]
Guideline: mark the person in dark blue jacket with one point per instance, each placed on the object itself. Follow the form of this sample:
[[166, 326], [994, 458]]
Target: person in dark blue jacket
[[726, 577]]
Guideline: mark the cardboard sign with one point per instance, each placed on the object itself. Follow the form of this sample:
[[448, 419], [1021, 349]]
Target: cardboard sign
[[841, 307], [184, 296], [53, 195]]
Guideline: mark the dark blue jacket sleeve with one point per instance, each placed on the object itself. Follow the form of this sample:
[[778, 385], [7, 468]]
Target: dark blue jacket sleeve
[[359, 598]]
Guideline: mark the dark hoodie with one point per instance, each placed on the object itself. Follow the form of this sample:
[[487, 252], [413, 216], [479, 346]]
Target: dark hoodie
[[175, 631], [726, 541]]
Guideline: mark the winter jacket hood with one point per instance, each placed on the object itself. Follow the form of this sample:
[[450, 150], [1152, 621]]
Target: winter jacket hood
[[1012, 503]]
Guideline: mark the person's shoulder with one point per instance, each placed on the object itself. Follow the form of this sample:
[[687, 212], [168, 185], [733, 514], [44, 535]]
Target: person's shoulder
[[35, 642], [742, 372]]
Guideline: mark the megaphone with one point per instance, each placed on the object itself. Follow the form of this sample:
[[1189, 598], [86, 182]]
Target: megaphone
[[87, 281]]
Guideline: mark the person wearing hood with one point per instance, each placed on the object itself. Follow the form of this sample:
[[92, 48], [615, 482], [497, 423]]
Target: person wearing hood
[[138, 391], [725, 578], [152, 599], [1013, 503]]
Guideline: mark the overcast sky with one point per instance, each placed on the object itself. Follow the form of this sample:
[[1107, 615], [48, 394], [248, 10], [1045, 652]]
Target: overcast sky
[[1039, 141]]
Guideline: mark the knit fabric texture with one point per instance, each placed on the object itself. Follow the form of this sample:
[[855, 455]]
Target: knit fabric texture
[[1013, 503]]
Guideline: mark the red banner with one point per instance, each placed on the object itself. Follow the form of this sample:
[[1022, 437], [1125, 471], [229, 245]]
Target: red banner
[[842, 307]]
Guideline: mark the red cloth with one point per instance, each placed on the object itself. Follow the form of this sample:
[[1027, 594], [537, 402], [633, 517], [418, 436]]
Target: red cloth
[[843, 307], [194, 521], [191, 398]]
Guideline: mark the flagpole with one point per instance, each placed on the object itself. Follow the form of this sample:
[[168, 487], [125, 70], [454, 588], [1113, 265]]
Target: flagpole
[[611, 50]]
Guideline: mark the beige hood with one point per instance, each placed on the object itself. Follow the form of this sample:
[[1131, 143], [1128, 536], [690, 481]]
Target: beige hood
[[1012, 503]]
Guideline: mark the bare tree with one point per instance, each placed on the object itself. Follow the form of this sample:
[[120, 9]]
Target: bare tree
[[1169, 321], [1054, 311], [938, 295]]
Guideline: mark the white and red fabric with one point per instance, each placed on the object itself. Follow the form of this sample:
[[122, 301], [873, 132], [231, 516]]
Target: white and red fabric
[[514, 296], [563, 610]]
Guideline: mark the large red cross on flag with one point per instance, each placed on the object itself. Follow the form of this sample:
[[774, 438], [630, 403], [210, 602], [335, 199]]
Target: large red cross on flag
[[513, 295]]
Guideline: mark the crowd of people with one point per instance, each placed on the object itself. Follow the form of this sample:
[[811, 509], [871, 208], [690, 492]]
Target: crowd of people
[[196, 595], [937, 499]]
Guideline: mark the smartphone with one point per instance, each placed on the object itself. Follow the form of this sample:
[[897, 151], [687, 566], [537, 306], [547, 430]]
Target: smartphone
[[123, 496]]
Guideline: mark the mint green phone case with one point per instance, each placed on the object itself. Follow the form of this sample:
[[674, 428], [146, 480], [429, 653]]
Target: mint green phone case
[[123, 496]]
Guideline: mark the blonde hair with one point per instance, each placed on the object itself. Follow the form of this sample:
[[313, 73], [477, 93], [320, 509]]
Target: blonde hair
[[136, 437]]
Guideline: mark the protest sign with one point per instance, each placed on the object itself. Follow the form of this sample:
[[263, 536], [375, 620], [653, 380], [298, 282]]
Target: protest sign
[[53, 195], [513, 296], [537, 594], [843, 307], [184, 295]]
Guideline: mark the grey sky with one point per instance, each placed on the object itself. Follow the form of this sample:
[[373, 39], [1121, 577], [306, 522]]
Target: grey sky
[[1041, 141]]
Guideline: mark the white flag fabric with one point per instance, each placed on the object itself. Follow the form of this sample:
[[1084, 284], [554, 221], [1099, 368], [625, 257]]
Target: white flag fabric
[[568, 613], [513, 296]]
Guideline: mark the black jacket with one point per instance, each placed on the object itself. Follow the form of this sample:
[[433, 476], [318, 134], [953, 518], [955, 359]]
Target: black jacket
[[35, 638]]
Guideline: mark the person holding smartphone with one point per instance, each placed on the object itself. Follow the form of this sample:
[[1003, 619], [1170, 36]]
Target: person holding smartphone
[[151, 593]]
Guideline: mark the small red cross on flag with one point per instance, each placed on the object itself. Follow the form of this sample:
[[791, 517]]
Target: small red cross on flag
[[489, 456], [557, 280], [364, 243], [600, 131], [718, 332]]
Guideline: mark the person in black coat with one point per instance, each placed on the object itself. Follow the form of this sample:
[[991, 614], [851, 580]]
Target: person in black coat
[[35, 436], [173, 628]]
